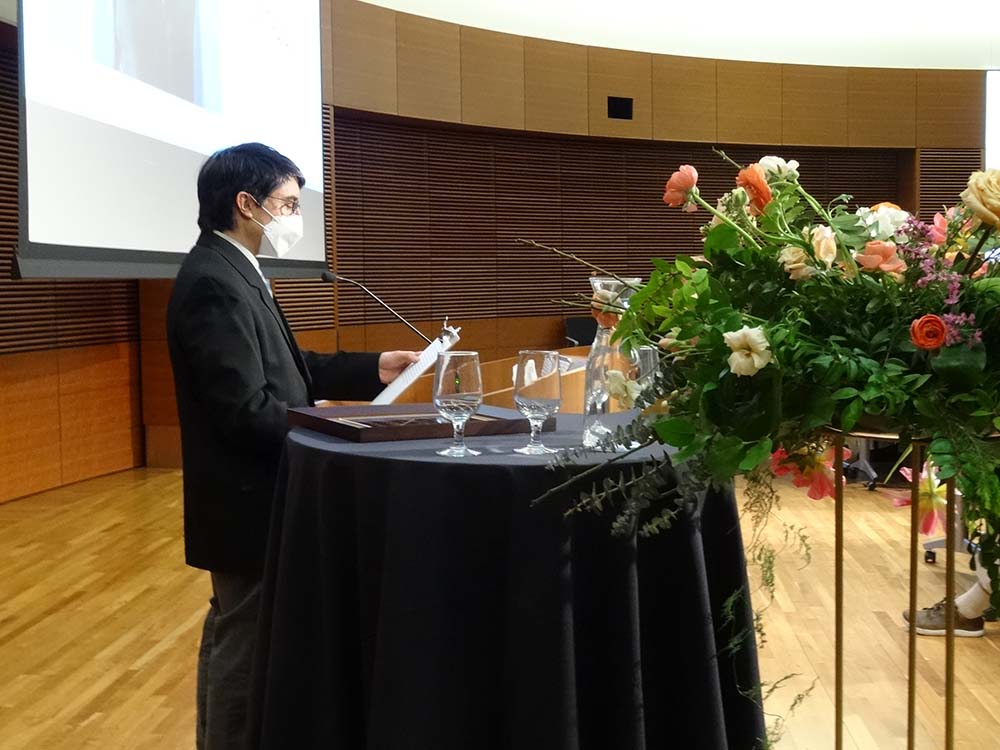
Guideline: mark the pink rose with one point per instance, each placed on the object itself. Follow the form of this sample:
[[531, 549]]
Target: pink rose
[[681, 182], [939, 229]]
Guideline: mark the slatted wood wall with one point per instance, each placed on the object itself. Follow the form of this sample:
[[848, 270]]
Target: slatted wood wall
[[427, 214], [36, 315], [943, 174]]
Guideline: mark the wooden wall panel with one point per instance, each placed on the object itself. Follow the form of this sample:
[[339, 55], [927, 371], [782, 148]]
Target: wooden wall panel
[[684, 99], [813, 105], [99, 408], [492, 78], [159, 406], [318, 340], [543, 332], [163, 446], [154, 294], [428, 69], [364, 56], [353, 338], [69, 414], [377, 53], [951, 108], [617, 73], [30, 446], [555, 87], [326, 49], [881, 107], [749, 102]]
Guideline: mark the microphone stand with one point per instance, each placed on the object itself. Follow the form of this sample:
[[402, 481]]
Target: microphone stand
[[335, 277]]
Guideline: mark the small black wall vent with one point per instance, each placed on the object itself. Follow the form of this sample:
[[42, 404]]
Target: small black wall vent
[[620, 107]]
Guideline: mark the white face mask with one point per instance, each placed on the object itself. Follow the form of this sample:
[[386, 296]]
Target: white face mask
[[280, 234]]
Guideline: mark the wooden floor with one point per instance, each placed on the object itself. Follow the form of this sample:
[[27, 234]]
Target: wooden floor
[[100, 620]]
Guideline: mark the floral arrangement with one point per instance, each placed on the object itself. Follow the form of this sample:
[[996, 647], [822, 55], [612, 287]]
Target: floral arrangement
[[796, 317]]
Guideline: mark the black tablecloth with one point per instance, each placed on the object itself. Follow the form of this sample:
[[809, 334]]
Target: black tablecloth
[[413, 602]]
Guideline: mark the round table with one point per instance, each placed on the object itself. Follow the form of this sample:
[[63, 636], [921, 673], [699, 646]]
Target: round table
[[415, 602]]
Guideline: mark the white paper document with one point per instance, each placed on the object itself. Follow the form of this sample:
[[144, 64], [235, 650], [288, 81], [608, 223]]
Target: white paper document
[[448, 338]]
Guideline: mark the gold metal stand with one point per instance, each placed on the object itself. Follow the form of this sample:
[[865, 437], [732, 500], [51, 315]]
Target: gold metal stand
[[916, 462]]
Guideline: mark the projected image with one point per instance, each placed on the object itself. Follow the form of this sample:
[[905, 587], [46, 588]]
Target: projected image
[[125, 99], [161, 45]]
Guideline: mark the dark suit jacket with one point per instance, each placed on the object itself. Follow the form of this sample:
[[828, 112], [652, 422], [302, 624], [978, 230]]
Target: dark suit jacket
[[237, 369]]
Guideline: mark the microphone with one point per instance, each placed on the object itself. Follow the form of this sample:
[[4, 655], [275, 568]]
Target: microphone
[[335, 277]]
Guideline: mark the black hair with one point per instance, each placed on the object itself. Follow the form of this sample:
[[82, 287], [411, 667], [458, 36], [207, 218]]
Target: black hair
[[251, 167]]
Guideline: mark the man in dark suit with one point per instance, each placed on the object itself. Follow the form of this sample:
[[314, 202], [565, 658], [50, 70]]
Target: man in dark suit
[[237, 369]]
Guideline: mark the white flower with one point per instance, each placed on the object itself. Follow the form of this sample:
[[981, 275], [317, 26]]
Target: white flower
[[775, 166], [796, 263], [622, 389], [883, 222], [750, 350]]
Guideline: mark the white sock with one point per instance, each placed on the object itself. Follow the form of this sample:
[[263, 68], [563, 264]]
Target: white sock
[[973, 602]]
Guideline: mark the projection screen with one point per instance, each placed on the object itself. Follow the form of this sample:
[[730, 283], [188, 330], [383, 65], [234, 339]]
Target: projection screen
[[121, 102]]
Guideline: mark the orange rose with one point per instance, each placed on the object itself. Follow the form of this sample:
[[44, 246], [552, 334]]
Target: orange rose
[[881, 256], [752, 180], [681, 182], [928, 332], [886, 204]]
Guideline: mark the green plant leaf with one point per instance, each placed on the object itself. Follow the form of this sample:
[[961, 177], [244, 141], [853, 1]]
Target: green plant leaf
[[843, 393], [676, 432], [756, 454], [960, 366], [851, 414], [723, 457], [722, 237], [940, 445]]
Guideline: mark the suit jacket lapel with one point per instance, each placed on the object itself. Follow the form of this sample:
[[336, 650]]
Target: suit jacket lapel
[[235, 258]]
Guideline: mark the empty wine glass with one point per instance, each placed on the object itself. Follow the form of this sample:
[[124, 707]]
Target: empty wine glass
[[648, 358], [458, 392], [537, 392]]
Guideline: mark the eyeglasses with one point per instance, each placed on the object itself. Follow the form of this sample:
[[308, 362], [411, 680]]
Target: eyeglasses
[[287, 206]]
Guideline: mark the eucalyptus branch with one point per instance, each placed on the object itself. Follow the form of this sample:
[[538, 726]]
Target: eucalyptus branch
[[578, 259], [592, 470]]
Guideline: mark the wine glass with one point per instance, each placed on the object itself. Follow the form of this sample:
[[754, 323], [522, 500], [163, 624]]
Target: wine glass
[[537, 391], [458, 392], [648, 359]]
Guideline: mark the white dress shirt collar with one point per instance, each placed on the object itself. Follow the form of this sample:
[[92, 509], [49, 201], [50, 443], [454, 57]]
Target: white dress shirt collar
[[249, 256]]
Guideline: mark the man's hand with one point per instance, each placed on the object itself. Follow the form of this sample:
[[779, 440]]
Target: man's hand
[[390, 364]]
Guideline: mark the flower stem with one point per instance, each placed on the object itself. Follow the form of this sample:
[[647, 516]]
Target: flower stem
[[696, 197], [970, 267]]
